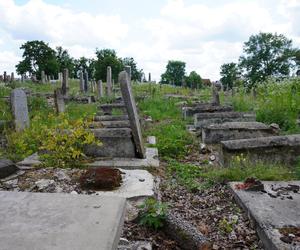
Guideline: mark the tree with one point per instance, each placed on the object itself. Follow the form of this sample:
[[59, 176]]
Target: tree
[[136, 74], [65, 61], [229, 75], [105, 58], [266, 55], [175, 73], [37, 56], [83, 64], [194, 80]]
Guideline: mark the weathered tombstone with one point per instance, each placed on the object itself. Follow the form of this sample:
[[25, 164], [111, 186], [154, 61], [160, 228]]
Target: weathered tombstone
[[128, 70], [81, 81], [8, 78], [1, 78], [22, 78], [64, 85], [60, 76], [86, 81], [4, 76], [59, 101], [215, 96], [132, 113], [19, 108], [108, 82], [12, 77], [43, 76], [100, 89], [149, 77]]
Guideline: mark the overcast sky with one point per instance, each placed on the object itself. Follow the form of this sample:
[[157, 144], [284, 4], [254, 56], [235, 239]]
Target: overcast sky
[[203, 33]]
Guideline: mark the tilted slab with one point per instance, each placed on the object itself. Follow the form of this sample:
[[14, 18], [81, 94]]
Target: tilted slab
[[204, 108], [116, 142], [110, 118], [204, 119], [48, 221], [281, 149], [216, 133], [270, 214], [151, 160]]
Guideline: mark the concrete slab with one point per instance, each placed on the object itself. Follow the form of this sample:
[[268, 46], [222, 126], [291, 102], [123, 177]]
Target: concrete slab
[[270, 214], [204, 108], [151, 160], [215, 133], [136, 184], [47, 221], [111, 118]]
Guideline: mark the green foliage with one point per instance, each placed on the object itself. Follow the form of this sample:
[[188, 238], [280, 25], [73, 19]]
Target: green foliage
[[266, 55], [227, 226], [153, 213], [65, 61], [5, 113], [229, 75], [37, 56], [136, 74], [194, 80], [175, 73]]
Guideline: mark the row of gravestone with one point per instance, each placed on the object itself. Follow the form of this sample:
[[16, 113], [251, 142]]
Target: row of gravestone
[[7, 78], [238, 133]]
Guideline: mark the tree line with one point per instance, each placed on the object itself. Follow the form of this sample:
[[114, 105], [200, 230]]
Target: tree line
[[264, 55], [38, 56]]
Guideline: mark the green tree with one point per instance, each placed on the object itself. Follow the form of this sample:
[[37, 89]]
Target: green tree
[[229, 75], [65, 61], [84, 63], [266, 55], [175, 73], [136, 74], [194, 80], [105, 58], [37, 56]]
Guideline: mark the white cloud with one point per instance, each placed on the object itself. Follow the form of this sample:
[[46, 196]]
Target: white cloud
[[8, 60]]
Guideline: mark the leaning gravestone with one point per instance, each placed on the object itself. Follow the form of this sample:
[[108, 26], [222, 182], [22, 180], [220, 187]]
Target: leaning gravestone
[[132, 113], [19, 109]]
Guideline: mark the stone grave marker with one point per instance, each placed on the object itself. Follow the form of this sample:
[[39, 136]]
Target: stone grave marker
[[215, 95], [86, 81], [12, 77], [132, 113], [1, 78], [149, 77], [81, 81], [100, 89], [108, 82], [43, 76], [4, 76], [59, 101], [64, 84], [19, 108]]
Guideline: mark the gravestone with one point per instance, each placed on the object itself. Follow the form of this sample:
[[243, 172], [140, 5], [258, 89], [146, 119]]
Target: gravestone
[[81, 81], [19, 109], [22, 78], [60, 77], [149, 77], [64, 84], [12, 77], [128, 70], [43, 76], [108, 82], [59, 101], [132, 113], [215, 96], [1, 78], [4, 76], [100, 89], [86, 81]]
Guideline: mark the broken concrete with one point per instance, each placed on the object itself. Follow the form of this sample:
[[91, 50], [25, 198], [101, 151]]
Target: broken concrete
[[273, 149], [204, 119], [60, 221], [271, 212], [216, 133], [151, 160], [116, 142]]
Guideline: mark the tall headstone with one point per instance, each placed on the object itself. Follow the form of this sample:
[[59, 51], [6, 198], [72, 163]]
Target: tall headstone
[[65, 82], [12, 77], [100, 89], [215, 95], [60, 76], [59, 101], [108, 81], [4, 76], [132, 113], [149, 77], [81, 81], [22, 78], [19, 109], [128, 70], [1, 78], [86, 81], [43, 76]]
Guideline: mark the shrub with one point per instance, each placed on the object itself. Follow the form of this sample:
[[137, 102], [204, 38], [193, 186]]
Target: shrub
[[153, 213]]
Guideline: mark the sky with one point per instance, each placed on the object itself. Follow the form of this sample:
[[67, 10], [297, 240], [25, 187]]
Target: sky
[[203, 33]]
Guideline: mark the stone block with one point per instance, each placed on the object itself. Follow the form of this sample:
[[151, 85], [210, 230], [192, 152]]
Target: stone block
[[215, 133], [111, 118], [273, 149], [7, 167], [204, 108]]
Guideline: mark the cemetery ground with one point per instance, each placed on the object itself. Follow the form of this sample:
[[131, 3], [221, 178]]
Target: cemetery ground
[[191, 184]]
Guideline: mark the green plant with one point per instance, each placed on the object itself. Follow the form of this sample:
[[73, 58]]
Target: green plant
[[153, 213], [227, 226]]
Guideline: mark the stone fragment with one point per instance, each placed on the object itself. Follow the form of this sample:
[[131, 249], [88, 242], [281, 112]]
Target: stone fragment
[[59, 101], [7, 167]]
